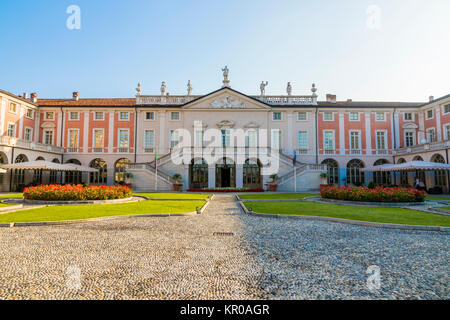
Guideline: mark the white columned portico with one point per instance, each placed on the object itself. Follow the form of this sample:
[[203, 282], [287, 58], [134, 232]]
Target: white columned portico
[[211, 175]]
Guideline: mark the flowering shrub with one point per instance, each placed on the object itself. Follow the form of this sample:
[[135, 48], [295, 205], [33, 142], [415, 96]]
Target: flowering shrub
[[55, 192], [378, 194]]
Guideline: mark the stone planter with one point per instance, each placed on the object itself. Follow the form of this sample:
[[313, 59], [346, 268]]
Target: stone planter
[[177, 186]]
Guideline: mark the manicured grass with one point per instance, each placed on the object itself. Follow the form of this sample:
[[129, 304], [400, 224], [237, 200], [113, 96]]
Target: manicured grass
[[277, 196], [175, 195], [11, 195], [437, 198], [59, 213], [6, 205], [371, 214]]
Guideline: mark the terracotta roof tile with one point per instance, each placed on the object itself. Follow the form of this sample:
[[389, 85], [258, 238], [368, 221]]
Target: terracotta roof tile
[[110, 102]]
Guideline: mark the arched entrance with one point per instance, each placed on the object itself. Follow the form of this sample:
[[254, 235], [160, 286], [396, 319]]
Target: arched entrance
[[37, 174], [420, 174], [102, 174], [440, 179], [403, 174], [381, 178], [19, 174], [120, 169], [354, 174], [333, 171], [225, 173], [252, 174], [73, 177], [54, 174], [198, 174]]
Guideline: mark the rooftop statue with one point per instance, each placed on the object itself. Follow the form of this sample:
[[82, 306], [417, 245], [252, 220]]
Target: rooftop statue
[[262, 87]]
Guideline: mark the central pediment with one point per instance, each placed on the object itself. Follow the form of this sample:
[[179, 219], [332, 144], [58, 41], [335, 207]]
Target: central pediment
[[226, 99]]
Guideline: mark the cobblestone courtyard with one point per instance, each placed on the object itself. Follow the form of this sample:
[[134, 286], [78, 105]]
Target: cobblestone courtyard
[[181, 258]]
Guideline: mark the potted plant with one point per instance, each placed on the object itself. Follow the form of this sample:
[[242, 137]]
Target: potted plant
[[273, 185], [323, 177], [127, 177], [178, 182]]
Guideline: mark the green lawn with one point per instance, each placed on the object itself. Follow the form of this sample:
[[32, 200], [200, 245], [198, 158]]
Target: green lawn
[[11, 195], [278, 196], [59, 213], [437, 198], [6, 205], [371, 214], [178, 195]]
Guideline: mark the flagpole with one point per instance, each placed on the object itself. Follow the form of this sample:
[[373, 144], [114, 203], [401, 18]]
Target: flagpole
[[295, 179]]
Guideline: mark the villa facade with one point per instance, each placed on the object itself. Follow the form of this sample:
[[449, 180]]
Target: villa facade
[[222, 139]]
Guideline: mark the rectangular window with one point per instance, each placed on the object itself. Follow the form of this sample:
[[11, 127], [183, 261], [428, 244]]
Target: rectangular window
[[301, 116], [198, 138], [30, 113], [48, 137], [409, 138], [354, 116], [149, 139], [447, 108], [12, 107], [28, 134], [251, 139], [123, 138], [124, 115], [11, 130], [174, 138], [429, 114], [49, 115], [276, 116], [354, 142], [99, 115], [431, 136], [74, 116], [149, 116], [381, 141], [447, 132], [73, 139], [328, 141], [174, 116], [408, 116], [98, 138], [302, 140], [328, 116], [379, 116], [226, 139], [276, 139]]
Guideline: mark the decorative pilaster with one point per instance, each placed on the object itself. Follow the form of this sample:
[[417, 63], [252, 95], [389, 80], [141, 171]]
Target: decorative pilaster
[[368, 133], [341, 133]]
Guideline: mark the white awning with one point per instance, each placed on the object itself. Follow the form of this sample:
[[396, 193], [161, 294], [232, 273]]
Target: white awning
[[47, 166], [409, 166]]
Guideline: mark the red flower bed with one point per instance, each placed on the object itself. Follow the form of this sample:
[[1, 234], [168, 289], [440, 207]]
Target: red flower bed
[[378, 194], [225, 190], [55, 192]]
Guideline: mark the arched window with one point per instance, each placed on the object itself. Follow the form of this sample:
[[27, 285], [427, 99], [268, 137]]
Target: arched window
[[417, 158], [19, 174], [333, 171], [419, 173], [403, 174], [354, 175], [54, 174], [381, 178], [73, 177], [120, 169], [439, 175], [99, 177], [198, 174], [252, 174]]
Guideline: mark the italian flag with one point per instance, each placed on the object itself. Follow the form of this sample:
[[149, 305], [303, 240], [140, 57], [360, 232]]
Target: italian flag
[[156, 158]]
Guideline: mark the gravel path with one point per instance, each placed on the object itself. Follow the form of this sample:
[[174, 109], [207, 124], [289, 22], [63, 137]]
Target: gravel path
[[180, 258]]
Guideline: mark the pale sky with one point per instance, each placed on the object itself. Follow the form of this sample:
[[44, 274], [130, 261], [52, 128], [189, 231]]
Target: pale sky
[[404, 55]]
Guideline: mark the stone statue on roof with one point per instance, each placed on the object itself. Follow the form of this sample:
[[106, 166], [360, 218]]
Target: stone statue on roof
[[189, 88], [289, 89], [262, 87], [163, 88]]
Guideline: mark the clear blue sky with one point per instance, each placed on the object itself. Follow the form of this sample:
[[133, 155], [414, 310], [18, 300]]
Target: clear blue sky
[[327, 42]]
